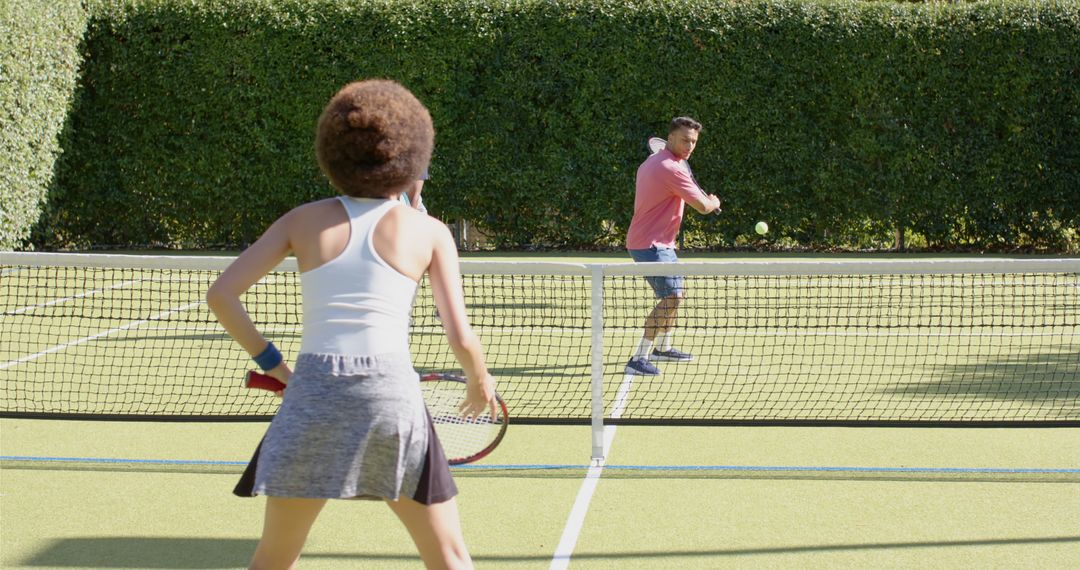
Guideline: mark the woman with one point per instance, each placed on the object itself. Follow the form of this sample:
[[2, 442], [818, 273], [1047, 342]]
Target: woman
[[353, 423]]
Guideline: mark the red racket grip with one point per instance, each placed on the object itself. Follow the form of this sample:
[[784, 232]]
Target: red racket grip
[[263, 382]]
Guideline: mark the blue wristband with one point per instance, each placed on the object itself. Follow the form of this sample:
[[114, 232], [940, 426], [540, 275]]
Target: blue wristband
[[269, 358]]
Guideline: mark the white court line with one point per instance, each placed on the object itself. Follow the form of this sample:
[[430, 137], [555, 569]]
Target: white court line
[[572, 530], [86, 339], [28, 308]]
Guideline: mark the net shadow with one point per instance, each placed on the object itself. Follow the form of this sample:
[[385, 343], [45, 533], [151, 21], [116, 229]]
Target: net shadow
[[143, 552], [1037, 377]]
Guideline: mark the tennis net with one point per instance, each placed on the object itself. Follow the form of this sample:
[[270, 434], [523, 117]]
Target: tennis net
[[878, 342]]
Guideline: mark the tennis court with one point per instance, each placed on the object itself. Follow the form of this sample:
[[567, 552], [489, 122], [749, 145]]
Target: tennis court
[[727, 469], [954, 498], [860, 410]]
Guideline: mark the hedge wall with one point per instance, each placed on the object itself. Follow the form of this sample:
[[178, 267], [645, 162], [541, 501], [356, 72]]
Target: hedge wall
[[837, 122], [39, 60]]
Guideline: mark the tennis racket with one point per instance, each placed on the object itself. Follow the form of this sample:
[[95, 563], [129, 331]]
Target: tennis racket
[[657, 144], [463, 440]]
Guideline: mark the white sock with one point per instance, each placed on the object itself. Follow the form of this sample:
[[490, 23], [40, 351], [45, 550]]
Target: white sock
[[644, 348], [665, 340]]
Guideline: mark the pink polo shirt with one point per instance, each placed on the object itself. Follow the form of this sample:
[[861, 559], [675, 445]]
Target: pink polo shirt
[[663, 186]]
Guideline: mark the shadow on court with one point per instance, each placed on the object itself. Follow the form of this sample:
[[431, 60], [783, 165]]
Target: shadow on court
[[1034, 378], [577, 372], [142, 336], [160, 552], [144, 552]]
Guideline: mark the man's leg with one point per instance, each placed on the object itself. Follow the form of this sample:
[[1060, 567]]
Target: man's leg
[[662, 318], [667, 312]]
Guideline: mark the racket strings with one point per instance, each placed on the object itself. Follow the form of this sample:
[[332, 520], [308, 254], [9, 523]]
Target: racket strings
[[460, 437]]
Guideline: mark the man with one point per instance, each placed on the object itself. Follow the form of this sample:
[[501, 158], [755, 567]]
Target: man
[[664, 187], [411, 196]]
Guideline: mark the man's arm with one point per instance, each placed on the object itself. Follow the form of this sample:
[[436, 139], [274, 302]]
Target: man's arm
[[704, 203], [683, 186], [413, 192]]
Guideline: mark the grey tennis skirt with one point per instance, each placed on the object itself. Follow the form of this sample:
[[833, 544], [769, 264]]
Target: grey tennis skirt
[[351, 427]]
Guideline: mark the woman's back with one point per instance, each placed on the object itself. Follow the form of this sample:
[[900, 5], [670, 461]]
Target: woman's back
[[318, 232], [410, 242], [356, 302]]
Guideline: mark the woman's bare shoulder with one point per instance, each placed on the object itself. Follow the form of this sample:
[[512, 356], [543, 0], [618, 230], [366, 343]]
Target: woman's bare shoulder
[[317, 206], [435, 227], [415, 219]]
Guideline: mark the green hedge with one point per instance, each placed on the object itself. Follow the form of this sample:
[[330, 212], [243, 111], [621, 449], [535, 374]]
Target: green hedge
[[837, 122], [39, 59]]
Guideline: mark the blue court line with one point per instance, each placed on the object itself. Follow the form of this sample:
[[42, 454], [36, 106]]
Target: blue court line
[[842, 469], [788, 468], [541, 466], [114, 461]]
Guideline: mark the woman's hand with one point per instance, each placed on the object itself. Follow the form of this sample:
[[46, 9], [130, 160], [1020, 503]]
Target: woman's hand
[[479, 395], [282, 373]]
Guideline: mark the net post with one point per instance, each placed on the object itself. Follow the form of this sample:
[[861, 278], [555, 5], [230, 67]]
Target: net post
[[597, 354]]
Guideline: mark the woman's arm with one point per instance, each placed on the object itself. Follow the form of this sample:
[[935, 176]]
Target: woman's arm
[[223, 297], [450, 300]]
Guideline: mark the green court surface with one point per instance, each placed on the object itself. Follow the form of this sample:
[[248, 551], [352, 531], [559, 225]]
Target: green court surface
[[668, 497], [78, 494]]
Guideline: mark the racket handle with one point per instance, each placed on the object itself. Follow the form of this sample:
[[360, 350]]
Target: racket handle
[[262, 382]]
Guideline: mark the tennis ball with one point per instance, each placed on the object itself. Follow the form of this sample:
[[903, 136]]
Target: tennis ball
[[761, 228]]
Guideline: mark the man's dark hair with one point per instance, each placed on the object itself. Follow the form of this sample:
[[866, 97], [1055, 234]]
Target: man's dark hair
[[683, 122]]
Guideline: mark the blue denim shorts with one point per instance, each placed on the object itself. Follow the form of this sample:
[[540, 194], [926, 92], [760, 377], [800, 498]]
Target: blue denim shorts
[[663, 286]]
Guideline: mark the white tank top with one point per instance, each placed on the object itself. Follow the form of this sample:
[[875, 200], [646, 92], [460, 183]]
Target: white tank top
[[356, 303]]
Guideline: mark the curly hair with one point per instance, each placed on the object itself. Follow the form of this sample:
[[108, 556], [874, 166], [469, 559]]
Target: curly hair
[[374, 137]]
